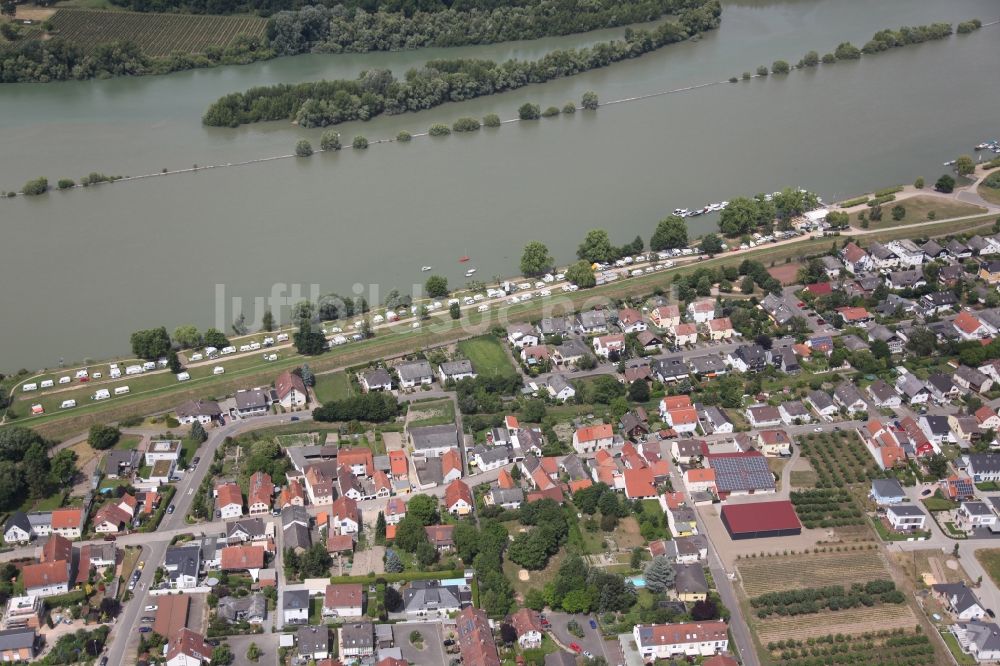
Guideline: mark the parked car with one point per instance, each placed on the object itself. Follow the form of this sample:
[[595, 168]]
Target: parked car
[[170, 509], [110, 537], [575, 647], [593, 624], [145, 630], [294, 418], [151, 608]]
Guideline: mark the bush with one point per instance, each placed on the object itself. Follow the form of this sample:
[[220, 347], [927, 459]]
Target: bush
[[746, 76], [359, 143], [945, 184], [569, 107], [847, 51], [829, 59], [811, 59], [466, 125], [589, 100], [439, 130], [66, 183], [888, 190], [303, 148], [992, 181], [854, 202], [965, 27], [330, 140], [733, 79], [898, 212], [35, 187], [529, 111], [919, 183], [551, 111], [404, 137], [103, 437], [762, 70], [491, 120], [780, 67]]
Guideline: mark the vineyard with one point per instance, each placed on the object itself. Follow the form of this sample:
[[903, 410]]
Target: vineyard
[[780, 573], [156, 35], [852, 622], [885, 647], [826, 508], [839, 459], [834, 597]]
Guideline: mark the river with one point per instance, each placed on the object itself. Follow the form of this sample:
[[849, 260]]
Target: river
[[82, 269]]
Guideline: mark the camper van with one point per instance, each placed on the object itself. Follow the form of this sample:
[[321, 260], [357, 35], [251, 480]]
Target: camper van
[[29, 387], [149, 365], [228, 350], [121, 390], [65, 380], [218, 370], [162, 362], [102, 394], [268, 341], [196, 357], [47, 383], [270, 357], [282, 337], [115, 373], [210, 351], [97, 375], [183, 376], [80, 374], [244, 348], [66, 404], [134, 370], [254, 346]]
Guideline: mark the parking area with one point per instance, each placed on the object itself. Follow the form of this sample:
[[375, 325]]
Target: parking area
[[369, 561], [590, 642], [268, 644], [433, 647]]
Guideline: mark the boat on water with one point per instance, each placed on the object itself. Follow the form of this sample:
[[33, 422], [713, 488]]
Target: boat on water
[[949, 163], [462, 260], [426, 268], [469, 272]]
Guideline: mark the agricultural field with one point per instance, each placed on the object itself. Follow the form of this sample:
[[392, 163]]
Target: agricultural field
[[487, 355], [839, 459], [886, 646], [848, 622], [157, 35], [826, 508], [791, 572]]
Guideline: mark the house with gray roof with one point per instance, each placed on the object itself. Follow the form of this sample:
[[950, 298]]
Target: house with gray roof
[[961, 601], [710, 364], [121, 464], [376, 379], [16, 644], [434, 441], [251, 609], [456, 371], [508, 498], [883, 395], [414, 373], [570, 352], [245, 529], [593, 321], [490, 457], [17, 529], [183, 563], [886, 492], [313, 642], [429, 471], [713, 419], [822, 403], [431, 599], [295, 606], [832, 266], [979, 639], [690, 582], [555, 326], [253, 402], [559, 388], [848, 396]]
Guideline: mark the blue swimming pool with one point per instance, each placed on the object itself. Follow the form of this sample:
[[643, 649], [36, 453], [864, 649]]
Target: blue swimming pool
[[638, 581]]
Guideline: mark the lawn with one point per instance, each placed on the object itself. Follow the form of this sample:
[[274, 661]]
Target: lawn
[[963, 659], [333, 386], [46, 504], [936, 503], [917, 210], [433, 412], [537, 579], [990, 559], [487, 355], [991, 194], [126, 442]]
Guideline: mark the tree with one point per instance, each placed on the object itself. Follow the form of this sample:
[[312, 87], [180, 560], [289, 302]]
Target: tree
[[216, 338], [659, 574], [436, 286], [898, 212], [11, 486], [423, 509], [880, 349], [945, 184], [359, 143], [919, 183], [596, 247], [174, 362], [810, 59], [62, 469], [254, 653], [711, 244], [308, 377], [103, 437], [222, 655], [937, 466], [535, 260], [35, 186], [439, 129], [455, 311], [638, 391], [965, 165], [529, 111], [533, 411], [392, 562], [589, 100], [491, 120], [330, 140], [187, 336], [426, 553], [303, 148], [35, 468], [315, 562], [309, 341], [922, 342], [780, 67], [762, 70], [581, 275], [8, 8], [392, 599], [404, 137], [151, 344], [198, 433], [380, 528], [704, 610], [671, 232], [746, 285], [743, 216], [267, 321]]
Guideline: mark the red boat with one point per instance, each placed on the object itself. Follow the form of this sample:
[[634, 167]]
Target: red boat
[[463, 260]]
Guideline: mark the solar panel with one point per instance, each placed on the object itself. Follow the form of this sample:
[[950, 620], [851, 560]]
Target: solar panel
[[742, 473]]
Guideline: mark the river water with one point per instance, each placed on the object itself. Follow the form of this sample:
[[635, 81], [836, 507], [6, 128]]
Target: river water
[[82, 269]]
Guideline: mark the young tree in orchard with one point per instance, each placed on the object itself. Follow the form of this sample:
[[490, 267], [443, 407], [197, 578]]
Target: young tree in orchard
[[436, 286], [671, 232], [596, 247], [535, 260], [581, 275]]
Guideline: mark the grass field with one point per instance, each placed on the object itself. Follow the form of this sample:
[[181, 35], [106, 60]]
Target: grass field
[[991, 194], [165, 393], [156, 34], [777, 574], [917, 210], [435, 412], [333, 386], [990, 559], [487, 355]]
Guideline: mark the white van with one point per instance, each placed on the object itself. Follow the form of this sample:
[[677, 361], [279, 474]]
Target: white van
[[80, 374], [282, 337], [268, 341], [228, 350], [121, 390], [183, 376], [218, 370], [210, 351], [65, 380], [29, 387], [66, 404], [196, 357], [134, 370], [162, 362], [102, 394], [149, 365], [97, 375], [254, 346], [115, 373], [47, 383], [244, 348], [271, 357]]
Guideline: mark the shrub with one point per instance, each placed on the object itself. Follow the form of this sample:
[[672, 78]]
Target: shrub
[[829, 59], [854, 202], [898, 212], [746, 76], [404, 137], [919, 183], [966, 27], [66, 183], [330, 140], [945, 184], [811, 59], [360, 142], [733, 79], [762, 70], [529, 111], [780, 67], [569, 107], [589, 100], [888, 190], [303, 148], [466, 125], [491, 120], [551, 111], [36, 186], [439, 130], [847, 51]]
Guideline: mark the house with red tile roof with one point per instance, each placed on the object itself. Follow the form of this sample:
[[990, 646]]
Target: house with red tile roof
[[291, 390], [57, 548], [987, 418], [358, 459], [630, 320], [67, 522], [345, 518], [259, 492], [639, 484], [664, 641], [528, 625], [343, 600], [665, 316], [395, 510], [344, 543], [46, 578], [229, 500], [475, 638], [854, 315], [399, 468], [671, 500], [969, 326], [188, 648], [292, 495], [505, 480], [243, 558], [685, 334], [441, 536], [111, 519], [606, 345], [451, 466], [699, 479], [882, 444], [720, 329], [458, 498], [593, 438]]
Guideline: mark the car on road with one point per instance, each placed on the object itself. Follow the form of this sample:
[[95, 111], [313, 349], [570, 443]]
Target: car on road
[[141, 564], [170, 509], [926, 491], [575, 647], [449, 641], [104, 661], [110, 537], [989, 611], [593, 624], [588, 654], [817, 429], [294, 418], [151, 608], [148, 619], [197, 459], [145, 630]]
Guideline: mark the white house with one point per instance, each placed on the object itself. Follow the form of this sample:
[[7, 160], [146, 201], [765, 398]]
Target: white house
[[763, 416], [291, 390], [414, 373], [906, 517], [663, 641], [979, 639], [345, 600], [17, 529], [702, 311], [593, 438], [456, 371], [229, 500], [187, 648], [606, 345]]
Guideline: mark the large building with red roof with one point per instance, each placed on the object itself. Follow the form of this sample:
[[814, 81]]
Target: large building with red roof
[[760, 520]]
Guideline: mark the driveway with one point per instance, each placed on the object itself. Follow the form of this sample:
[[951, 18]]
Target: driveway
[[370, 560], [433, 650], [268, 644], [591, 642]]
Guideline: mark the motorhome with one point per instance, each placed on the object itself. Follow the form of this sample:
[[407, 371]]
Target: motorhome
[[47, 383], [121, 390], [218, 370], [115, 373], [65, 380], [29, 387], [134, 370], [282, 337], [196, 357], [102, 394], [183, 376], [66, 404], [149, 365]]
